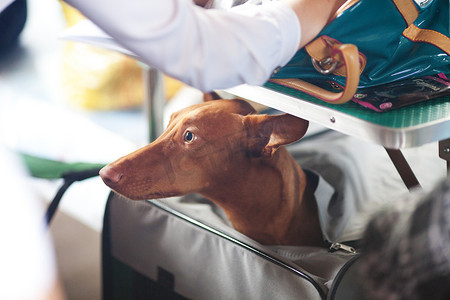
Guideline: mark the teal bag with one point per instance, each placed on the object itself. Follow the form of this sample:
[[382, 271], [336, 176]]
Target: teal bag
[[382, 40]]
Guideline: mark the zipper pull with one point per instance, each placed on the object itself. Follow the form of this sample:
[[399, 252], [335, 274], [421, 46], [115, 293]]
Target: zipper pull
[[339, 246]]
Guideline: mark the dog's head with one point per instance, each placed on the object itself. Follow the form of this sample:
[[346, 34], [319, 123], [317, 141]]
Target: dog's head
[[203, 144]]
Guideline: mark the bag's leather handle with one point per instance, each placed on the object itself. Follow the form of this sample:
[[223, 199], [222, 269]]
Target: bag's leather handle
[[348, 55]]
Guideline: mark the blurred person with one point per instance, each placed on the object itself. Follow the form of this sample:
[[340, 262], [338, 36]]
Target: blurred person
[[405, 251], [27, 263]]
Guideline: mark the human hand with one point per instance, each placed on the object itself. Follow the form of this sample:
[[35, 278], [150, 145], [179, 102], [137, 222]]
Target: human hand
[[313, 16]]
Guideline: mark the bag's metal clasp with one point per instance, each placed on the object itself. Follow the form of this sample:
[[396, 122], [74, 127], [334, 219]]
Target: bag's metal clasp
[[423, 3], [325, 66]]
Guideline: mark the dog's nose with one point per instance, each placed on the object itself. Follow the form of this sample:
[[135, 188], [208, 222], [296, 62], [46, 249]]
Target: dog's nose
[[110, 176]]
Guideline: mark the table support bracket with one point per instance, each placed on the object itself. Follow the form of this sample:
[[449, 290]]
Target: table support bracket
[[444, 153], [403, 168]]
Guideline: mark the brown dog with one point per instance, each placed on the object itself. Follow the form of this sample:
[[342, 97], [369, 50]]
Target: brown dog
[[235, 158]]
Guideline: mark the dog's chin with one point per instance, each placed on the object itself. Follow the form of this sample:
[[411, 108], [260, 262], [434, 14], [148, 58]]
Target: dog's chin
[[147, 196]]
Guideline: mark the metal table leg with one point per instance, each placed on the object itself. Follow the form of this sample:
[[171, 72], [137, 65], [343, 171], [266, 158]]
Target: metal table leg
[[154, 101]]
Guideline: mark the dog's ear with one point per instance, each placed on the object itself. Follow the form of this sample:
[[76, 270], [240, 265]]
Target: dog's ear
[[211, 96], [267, 133]]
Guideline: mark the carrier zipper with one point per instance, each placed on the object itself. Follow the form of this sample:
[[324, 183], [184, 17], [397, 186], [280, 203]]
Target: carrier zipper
[[339, 246]]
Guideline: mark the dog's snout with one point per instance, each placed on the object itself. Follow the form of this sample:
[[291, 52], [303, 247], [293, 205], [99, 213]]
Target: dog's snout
[[110, 176]]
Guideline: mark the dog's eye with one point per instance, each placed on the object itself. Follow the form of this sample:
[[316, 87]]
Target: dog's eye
[[189, 137]]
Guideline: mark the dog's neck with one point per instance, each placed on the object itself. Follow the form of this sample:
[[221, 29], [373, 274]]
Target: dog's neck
[[279, 206]]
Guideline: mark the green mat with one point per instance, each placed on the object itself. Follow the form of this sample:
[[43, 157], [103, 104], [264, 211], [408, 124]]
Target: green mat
[[51, 169], [413, 115]]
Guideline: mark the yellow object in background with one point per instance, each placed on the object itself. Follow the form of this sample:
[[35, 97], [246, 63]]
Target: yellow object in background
[[99, 79], [95, 78]]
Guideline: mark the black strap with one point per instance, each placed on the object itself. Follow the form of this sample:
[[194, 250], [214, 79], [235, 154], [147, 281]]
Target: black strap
[[69, 178]]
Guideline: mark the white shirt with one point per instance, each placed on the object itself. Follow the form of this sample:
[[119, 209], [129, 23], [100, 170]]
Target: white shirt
[[207, 49]]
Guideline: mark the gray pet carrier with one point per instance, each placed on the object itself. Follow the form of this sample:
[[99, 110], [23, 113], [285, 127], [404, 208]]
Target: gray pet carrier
[[184, 248], [157, 250]]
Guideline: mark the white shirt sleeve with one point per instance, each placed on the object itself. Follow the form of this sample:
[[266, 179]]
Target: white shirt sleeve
[[207, 49]]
